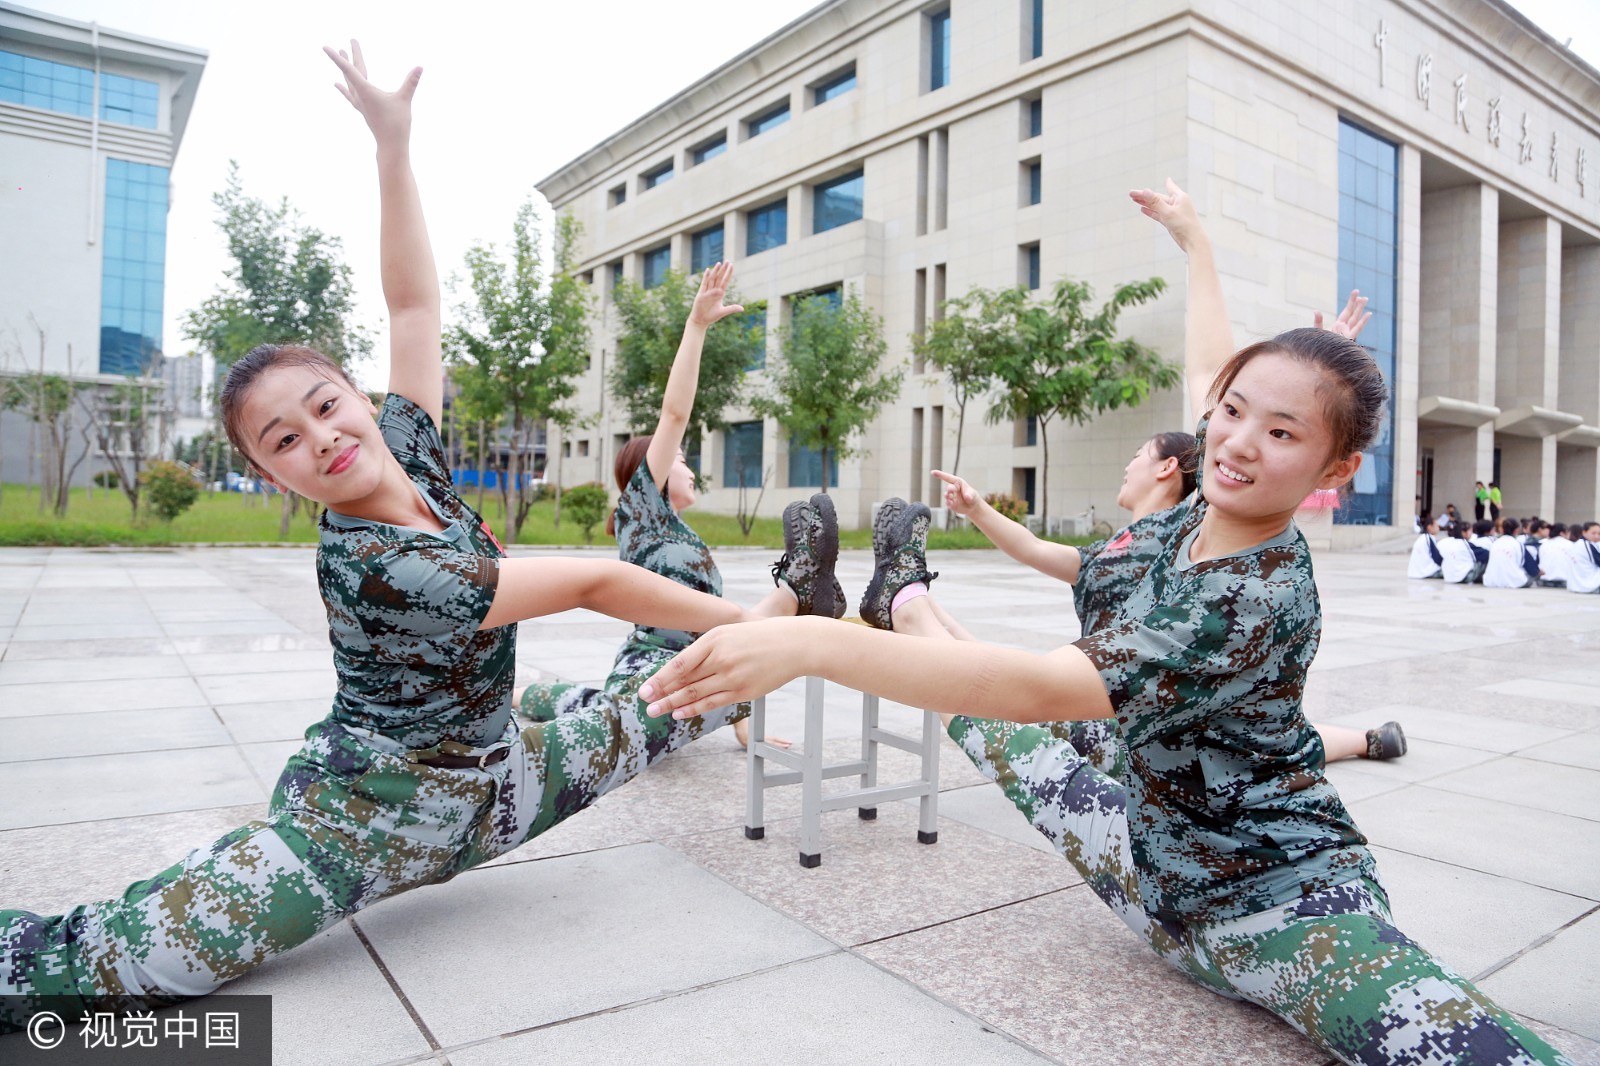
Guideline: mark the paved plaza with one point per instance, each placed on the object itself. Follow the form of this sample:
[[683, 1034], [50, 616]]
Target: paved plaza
[[149, 699]]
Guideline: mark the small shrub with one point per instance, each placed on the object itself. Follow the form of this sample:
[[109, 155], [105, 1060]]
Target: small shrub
[[586, 505], [1008, 505], [170, 489], [107, 479]]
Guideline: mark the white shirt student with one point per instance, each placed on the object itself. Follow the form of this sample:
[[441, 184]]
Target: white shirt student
[[1583, 561], [1505, 570], [1426, 558], [1459, 562], [1555, 558]]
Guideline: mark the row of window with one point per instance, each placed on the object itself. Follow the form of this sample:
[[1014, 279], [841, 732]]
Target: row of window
[[769, 118], [836, 202], [53, 86]]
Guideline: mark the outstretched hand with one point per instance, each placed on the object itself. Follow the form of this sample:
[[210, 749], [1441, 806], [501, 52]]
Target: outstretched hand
[[1173, 209], [959, 496], [708, 306], [1351, 321], [388, 115], [730, 664]]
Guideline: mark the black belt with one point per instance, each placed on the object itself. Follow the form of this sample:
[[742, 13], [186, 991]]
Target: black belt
[[461, 762]]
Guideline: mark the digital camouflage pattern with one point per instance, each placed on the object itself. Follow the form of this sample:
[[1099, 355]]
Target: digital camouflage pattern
[[1330, 963], [353, 819], [652, 535], [1110, 570]]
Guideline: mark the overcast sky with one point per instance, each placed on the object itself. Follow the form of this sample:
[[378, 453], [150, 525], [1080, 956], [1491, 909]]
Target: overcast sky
[[509, 93]]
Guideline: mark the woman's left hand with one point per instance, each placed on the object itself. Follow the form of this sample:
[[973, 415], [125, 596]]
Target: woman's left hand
[[708, 307], [1351, 321], [730, 664], [388, 115]]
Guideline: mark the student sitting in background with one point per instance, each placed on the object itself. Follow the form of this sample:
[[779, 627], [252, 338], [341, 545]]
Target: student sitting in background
[[1426, 559], [1555, 559], [1508, 564], [1583, 570], [1461, 565]]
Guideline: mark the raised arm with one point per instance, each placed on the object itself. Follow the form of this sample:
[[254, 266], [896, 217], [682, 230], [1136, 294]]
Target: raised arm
[[1208, 334], [741, 662], [1060, 561], [529, 588], [410, 280], [684, 380]]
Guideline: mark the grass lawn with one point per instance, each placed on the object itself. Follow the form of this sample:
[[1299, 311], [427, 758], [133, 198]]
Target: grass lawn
[[228, 517]]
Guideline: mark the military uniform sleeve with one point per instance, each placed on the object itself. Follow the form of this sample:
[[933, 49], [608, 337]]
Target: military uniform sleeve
[[1168, 671], [422, 602], [409, 432]]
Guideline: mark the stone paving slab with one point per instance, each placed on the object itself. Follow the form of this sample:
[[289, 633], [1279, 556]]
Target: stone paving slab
[[151, 697]]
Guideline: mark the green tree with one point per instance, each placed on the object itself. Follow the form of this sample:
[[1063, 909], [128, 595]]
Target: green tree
[[288, 285], [48, 401], [171, 489], [830, 383], [587, 505], [651, 327], [968, 343], [519, 347], [1067, 363]]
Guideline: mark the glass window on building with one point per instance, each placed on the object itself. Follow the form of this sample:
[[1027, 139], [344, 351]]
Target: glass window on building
[[770, 119], [133, 268], [1030, 431], [741, 455], [656, 176], [709, 149], [616, 275], [657, 261], [1035, 28], [753, 324], [838, 202], [705, 248], [619, 195], [1030, 265], [49, 86], [767, 227], [130, 101], [1032, 182], [1035, 117], [832, 294], [1368, 232], [805, 468], [938, 49], [834, 85]]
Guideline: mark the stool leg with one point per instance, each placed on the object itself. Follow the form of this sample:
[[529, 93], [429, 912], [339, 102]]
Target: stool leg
[[755, 789], [811, 778], [928, 822], [869, 751]]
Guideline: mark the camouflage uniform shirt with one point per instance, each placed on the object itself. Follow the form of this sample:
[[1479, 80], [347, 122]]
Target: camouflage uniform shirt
[[1229, 812], [1110, 570], [650, 534], [404, 607]]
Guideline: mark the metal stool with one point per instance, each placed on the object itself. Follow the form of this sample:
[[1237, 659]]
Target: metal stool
[[808, 770]]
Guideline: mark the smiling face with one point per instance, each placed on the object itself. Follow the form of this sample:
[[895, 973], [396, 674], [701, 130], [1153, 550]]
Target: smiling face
[[1268, 442], [312, 435]]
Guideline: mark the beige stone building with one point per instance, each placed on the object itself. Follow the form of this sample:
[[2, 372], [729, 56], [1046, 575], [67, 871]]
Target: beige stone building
[[1442, 155]]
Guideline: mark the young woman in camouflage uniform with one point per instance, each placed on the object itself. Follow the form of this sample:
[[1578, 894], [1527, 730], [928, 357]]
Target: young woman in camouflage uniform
[[421, 770], [657, 486], [1225, 847]]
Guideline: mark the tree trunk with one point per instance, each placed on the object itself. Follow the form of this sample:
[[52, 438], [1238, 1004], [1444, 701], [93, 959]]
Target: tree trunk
[[961, 425], [558, 489], [509, 492], [1044, 477], [290, 505], [483, 460], [824, 477]]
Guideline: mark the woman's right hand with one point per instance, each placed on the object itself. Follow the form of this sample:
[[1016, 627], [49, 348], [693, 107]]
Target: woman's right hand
[[708, 307], [731, 664], [959, 496], [1174, 210]]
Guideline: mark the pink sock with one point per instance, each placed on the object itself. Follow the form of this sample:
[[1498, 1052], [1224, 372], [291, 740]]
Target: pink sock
[[907, 594]]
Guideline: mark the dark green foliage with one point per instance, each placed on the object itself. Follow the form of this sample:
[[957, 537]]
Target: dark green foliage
[[586, 505], [170, 489]]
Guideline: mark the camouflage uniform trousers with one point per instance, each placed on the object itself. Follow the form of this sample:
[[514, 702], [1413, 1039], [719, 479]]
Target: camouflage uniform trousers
[[1331, 964], [350, 823]]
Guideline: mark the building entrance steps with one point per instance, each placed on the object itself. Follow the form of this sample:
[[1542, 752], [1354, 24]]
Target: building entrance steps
[[806, 768]]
